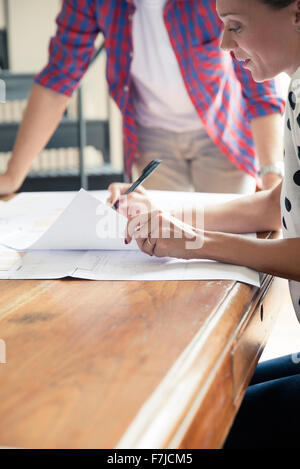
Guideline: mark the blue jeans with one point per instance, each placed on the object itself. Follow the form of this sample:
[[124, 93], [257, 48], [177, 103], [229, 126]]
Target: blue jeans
[[269, 416]]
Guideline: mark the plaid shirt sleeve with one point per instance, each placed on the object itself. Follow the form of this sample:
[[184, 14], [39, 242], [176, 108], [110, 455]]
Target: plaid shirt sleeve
[[72, 48], [261, 98]]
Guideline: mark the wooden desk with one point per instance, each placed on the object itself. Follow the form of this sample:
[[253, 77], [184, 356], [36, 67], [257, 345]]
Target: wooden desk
[[85, 358]]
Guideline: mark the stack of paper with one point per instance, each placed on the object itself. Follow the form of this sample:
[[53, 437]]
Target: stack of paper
[[78, 235]]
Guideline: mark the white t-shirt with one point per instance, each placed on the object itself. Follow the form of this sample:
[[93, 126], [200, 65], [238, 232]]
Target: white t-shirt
[[290, 193], [160, 96]]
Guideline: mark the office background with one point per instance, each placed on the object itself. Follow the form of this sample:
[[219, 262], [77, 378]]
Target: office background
[[25, 29]]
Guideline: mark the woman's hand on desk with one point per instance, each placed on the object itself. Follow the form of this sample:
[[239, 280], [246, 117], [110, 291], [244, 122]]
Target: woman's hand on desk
[[132, 204], [158, 233], [161, 235]]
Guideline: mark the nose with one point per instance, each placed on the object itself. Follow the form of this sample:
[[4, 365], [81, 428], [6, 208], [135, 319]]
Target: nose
[[227, 43]]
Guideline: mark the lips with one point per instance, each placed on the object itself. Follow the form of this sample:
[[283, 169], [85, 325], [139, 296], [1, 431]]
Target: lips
[[244, 61]]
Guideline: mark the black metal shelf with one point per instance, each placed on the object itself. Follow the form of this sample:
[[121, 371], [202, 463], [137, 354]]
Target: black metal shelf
[[70, 133], [69, 179], [66, 135], [3, 49]]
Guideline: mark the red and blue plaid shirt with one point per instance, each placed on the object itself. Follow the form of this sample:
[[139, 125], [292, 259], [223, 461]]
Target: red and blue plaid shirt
[[223, 93]]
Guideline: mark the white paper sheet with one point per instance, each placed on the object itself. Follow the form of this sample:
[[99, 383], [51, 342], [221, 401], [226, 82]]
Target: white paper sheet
[[71, 216], [86, 223], [27, 217], [119, 265], [10, 260], [31, 214], [138, 266], [46, 265]]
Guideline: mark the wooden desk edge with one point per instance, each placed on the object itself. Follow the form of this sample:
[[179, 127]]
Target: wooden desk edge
[[165, 419]]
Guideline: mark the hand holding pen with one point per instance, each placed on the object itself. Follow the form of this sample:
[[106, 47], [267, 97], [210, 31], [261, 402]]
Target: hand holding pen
[[118, 189]]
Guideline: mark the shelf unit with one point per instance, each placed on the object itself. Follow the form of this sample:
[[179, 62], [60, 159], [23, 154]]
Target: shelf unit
[[71, 132]]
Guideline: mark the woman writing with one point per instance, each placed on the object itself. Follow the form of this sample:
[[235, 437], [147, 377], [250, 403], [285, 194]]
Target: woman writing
[[265, 36]]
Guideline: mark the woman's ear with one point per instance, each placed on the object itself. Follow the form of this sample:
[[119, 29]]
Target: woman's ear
[[296, 13]]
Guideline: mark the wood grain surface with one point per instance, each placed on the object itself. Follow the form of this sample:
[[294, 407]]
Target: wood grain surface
[[83, 356], [128, 364]]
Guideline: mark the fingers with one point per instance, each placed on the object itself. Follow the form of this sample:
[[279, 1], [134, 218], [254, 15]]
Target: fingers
[[136, 224], [158, 234], [118, 188], [145, 229], [140, 232], [147, 245], [152, 224]]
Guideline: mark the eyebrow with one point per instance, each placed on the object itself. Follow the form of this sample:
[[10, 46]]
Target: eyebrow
[[223, 15]]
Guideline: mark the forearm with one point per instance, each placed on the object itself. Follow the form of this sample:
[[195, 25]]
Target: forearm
[[276, 257], [42, 115], [267, 132], [246, 214]]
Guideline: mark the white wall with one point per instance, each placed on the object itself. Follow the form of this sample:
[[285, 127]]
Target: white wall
[[31, 23], [2, 15]]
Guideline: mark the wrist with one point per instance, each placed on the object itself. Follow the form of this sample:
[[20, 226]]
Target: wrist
[[11, 180], [225, 247], [213, 246]]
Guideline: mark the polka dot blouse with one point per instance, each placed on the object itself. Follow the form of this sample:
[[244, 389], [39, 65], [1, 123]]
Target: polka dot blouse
[[290, 194]]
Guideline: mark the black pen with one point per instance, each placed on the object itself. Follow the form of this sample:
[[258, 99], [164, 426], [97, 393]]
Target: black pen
[[145, 173]]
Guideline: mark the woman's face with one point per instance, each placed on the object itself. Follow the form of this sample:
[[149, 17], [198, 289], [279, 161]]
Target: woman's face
[[265, 39]]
